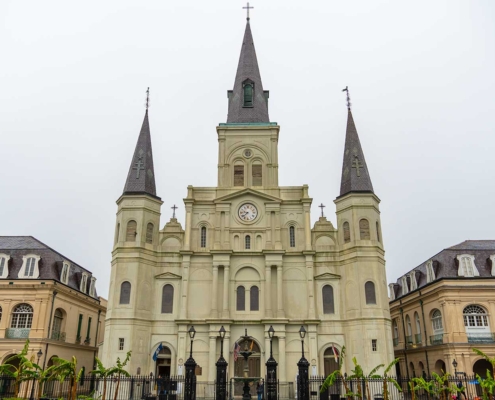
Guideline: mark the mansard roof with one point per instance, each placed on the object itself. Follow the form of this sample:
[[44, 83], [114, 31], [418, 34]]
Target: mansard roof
[[248, 70], [445, 264], [50, 264]]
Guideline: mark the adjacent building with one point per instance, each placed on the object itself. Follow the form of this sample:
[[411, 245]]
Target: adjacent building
[[443, 308], [247, 257], [49, 299]]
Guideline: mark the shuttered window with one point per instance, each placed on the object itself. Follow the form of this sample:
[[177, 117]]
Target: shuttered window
[[369, 290], [241, 299], [255, 298], [125, 293], [347, 232], [328, 304], [131, 231], [238, 175], [167, 299], [257, 175], [364, 229], [248, 95], [149, 233]]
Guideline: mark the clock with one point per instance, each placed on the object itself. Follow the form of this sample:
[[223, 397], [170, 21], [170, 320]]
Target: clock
[[248, 212]]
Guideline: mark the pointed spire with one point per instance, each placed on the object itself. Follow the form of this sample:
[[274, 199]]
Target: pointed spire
[[141, 176], [248, 73], [355, 175]]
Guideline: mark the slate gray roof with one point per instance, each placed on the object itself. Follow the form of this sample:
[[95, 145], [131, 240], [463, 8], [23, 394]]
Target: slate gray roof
[[141, 176], [445, 263], [355, 175], [248, 69], [50, 264]]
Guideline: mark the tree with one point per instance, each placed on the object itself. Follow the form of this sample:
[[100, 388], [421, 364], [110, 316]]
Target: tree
[[104, 373], [358, 373], [19, 371], [387, 379], [65, 369], [119, 370], [337, 374], [487, 384]]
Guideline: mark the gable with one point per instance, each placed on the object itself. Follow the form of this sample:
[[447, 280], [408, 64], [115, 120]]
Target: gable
[[241, 193]]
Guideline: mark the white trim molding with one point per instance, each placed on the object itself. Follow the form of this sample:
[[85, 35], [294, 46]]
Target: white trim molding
[[467, 267], [4, 265], [84, 282], [64, 275], [92, 287], [391, 291], [430, 272], [414, 282], [492, 257], [34, 271]]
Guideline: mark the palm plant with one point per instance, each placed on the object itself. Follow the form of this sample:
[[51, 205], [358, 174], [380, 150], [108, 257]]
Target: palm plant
[[17, 366], [487, 384], [41, 376], [65, 369], [104, 373], [119, 370], [427, 386], [358, 373], [387, 379], [337, 374]]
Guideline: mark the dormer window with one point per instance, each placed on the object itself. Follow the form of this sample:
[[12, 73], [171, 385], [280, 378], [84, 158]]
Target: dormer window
[[29, 269], [391, 291], [64, 276], [414, 282], [430, 273], [467, 267], [492, 259], [92, 287], [4, 265], [248, 91], [84, 281], [405, 289]]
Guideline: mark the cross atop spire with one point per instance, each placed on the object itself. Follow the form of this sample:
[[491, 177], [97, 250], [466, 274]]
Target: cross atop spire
[[147, 98], [348, 97], [247, 8]]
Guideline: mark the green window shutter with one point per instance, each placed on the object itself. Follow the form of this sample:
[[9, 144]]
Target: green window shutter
[[79, 325], [89, 328]]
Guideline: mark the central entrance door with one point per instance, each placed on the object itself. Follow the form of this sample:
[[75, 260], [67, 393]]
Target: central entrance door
[[163, 362]]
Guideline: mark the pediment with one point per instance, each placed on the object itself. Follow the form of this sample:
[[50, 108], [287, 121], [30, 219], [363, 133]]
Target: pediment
[[327, 276], [168, 275], [245, 192]]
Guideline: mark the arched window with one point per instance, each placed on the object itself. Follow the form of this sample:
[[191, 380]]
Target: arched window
[[58, 317], [29, 271], [364, 229], [328, 303], [22, 317], [377, 231], [475, 317], [203, 236], [436, 320], [248, 242], [125, 293], [396, 331], [131, 231], [241, 299], [292, 236], [167, 299], [149, 233], [347, 232], [239, 174], [248, 95], [255, 298], [257, 175], [369, 291], [409, 338]]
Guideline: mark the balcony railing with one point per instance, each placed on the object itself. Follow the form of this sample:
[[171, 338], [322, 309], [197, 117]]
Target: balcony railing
[[417, 338], [409, 339], [488, 337], [436, 339], [17, 333], [396, 341], [58, 336]]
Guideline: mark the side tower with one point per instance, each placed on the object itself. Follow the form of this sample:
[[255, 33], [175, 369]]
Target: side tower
[[364, 297], [128, 323]]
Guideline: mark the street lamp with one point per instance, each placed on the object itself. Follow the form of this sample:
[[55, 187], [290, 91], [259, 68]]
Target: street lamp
[[303, 367], [271, 370], [190, 365], [221, 384], [454, 364]]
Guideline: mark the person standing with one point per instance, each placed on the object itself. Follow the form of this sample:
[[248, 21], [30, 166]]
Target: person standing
[[260, 388]]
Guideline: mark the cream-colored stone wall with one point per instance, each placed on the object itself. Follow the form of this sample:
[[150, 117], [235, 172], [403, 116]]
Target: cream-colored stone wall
[[289, 278]]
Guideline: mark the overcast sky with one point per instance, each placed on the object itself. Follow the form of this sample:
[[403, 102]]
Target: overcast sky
[[73, 77]]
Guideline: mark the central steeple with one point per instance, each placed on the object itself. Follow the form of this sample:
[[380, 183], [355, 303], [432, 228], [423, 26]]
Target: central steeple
[[248, 102]]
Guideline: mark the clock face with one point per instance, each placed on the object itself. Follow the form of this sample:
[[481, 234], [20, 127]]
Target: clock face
[[248, 212]]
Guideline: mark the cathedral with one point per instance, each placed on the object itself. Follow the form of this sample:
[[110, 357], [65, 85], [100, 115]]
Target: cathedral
[[248, 258]]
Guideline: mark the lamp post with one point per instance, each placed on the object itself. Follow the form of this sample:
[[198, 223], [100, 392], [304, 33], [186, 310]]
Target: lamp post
[[38, 354], [221, 390], [454, 364], [190, 364], [271, 371], [303, 368]]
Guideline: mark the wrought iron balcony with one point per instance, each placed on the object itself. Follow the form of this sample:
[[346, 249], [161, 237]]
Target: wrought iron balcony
[[58, 336], [396, 341], [487, 337], [417, 338], [17, 333], [436, 339]]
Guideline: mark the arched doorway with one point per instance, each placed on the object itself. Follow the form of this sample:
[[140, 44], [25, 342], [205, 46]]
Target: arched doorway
[[330, 361], [254, 361], [480, 368], [163, 362], [439, 367]]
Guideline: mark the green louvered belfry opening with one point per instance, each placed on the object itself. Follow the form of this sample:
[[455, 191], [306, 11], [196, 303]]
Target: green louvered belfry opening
[[248, 95]]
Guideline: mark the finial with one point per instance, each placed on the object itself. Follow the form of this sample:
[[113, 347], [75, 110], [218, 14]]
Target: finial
[[174, 208], [147, 98], [348, 97], [247, 8], [322, 206]]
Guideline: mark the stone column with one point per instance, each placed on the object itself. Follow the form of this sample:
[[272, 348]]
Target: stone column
[[185, 281], [267, 345], [281, 356], [226, 280], [307, 226], [187, 239], [278, 242], [214, 294], [268, 290], [309, 277], [212, 357], [226, 351], [280, 298], [218, 232], [269, 230]]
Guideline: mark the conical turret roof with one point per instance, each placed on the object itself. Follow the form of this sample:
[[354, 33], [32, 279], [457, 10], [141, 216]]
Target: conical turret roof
[[248, 70], [141, 176], [355, 175]]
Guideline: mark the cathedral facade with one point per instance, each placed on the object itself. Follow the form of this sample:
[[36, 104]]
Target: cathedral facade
[[248, 258]]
